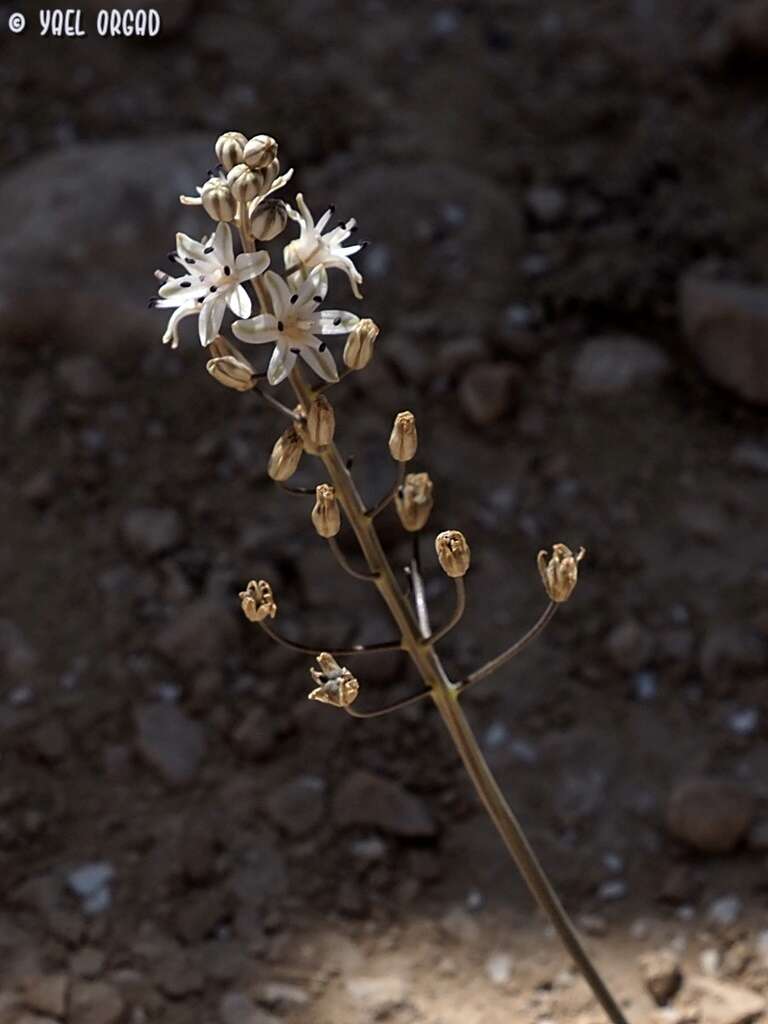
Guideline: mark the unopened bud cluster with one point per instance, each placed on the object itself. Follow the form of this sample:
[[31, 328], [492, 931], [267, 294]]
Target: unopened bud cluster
[[250, 168]]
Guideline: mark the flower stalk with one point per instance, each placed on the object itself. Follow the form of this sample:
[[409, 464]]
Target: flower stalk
[[289, 317]]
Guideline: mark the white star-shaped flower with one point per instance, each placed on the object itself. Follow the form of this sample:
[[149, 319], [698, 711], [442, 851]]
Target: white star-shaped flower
[[214, 280], [293, 327], [314, 249]]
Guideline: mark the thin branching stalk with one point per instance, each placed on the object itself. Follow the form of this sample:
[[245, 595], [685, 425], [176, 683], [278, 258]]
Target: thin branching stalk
[[389, 645], [341, 558], [458, 611]]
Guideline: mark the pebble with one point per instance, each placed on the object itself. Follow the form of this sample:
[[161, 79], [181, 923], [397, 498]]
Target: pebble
[[200, 635], [661, 974], [725, 911], [87, 962], [381, 996], [751, 456], [498, 968], [711, 815], [239, 1008], [150, 531], [282, 996], [615, 365], [298, 805], [611, 890], [169, 741], [721, 1002], [630, 645], [486, 391], [255, 736], [546, 204], [17, 657], [732, 649], [370, 800], [84, 377], [726, 326], [47, 994], [94, 1002], [91, 883]]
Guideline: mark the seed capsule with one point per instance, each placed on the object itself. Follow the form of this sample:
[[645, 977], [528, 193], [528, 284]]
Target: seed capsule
[[320, 423], [259, 151], [229, 149], [334, 684], [229, 366], [218, 201], [404, 440], [326, 515], [268, 219], [453, 553], [245, 182], [358, 350], [257, 601], [286, 455], [414, 501], [560, 572]]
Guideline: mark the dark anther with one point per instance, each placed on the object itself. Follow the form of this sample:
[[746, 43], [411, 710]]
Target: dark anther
[[400, 492], [212, 288], [280, 325], [188, 259], [316, 298], [322, 347], [294, 298], [172, 257], [332, 208], [208, 250], [353, 229], [337, 321], [201, 299], [364, 245], [185, 284], [350, 462], [226, 271], [152, 303], [295, 351]]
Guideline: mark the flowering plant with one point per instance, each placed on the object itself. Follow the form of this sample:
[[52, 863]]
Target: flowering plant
[[290, 317]]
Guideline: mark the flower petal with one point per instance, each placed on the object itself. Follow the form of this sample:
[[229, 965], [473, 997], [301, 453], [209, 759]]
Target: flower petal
[[239, 301], [279, 294], [281, 364], [190, 249], [171, 335], [211, 314], [314, 289], [222, 245], [182, 289], [250, 264], [333, 321], [259, 330], [305, 212], [321, 361]]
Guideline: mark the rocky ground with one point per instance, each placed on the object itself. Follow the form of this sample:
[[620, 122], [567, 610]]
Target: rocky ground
[[567, 210]]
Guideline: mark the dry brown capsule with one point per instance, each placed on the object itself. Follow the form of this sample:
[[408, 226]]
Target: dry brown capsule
[[218, 201], [286, 455], [320, 423], [334, 684], [560, 572], [229, 149], [259, 151], [229, 366], [257, 601], [245, 182], [358, 350], [414, 501], [326, 515], [453, 553], [404, 439], [268, 219]]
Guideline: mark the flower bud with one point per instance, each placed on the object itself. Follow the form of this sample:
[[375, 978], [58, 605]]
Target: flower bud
[[286, 455], [404, 439], [245, 182], [229, 149], [218, 201], [335, 685], [326, 515], [268, 219], [320, 423], [270, 172], [259, 151], [414, 501], [358, 351], [559, 572], [229, 366], [257, 601], [452, 553]]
